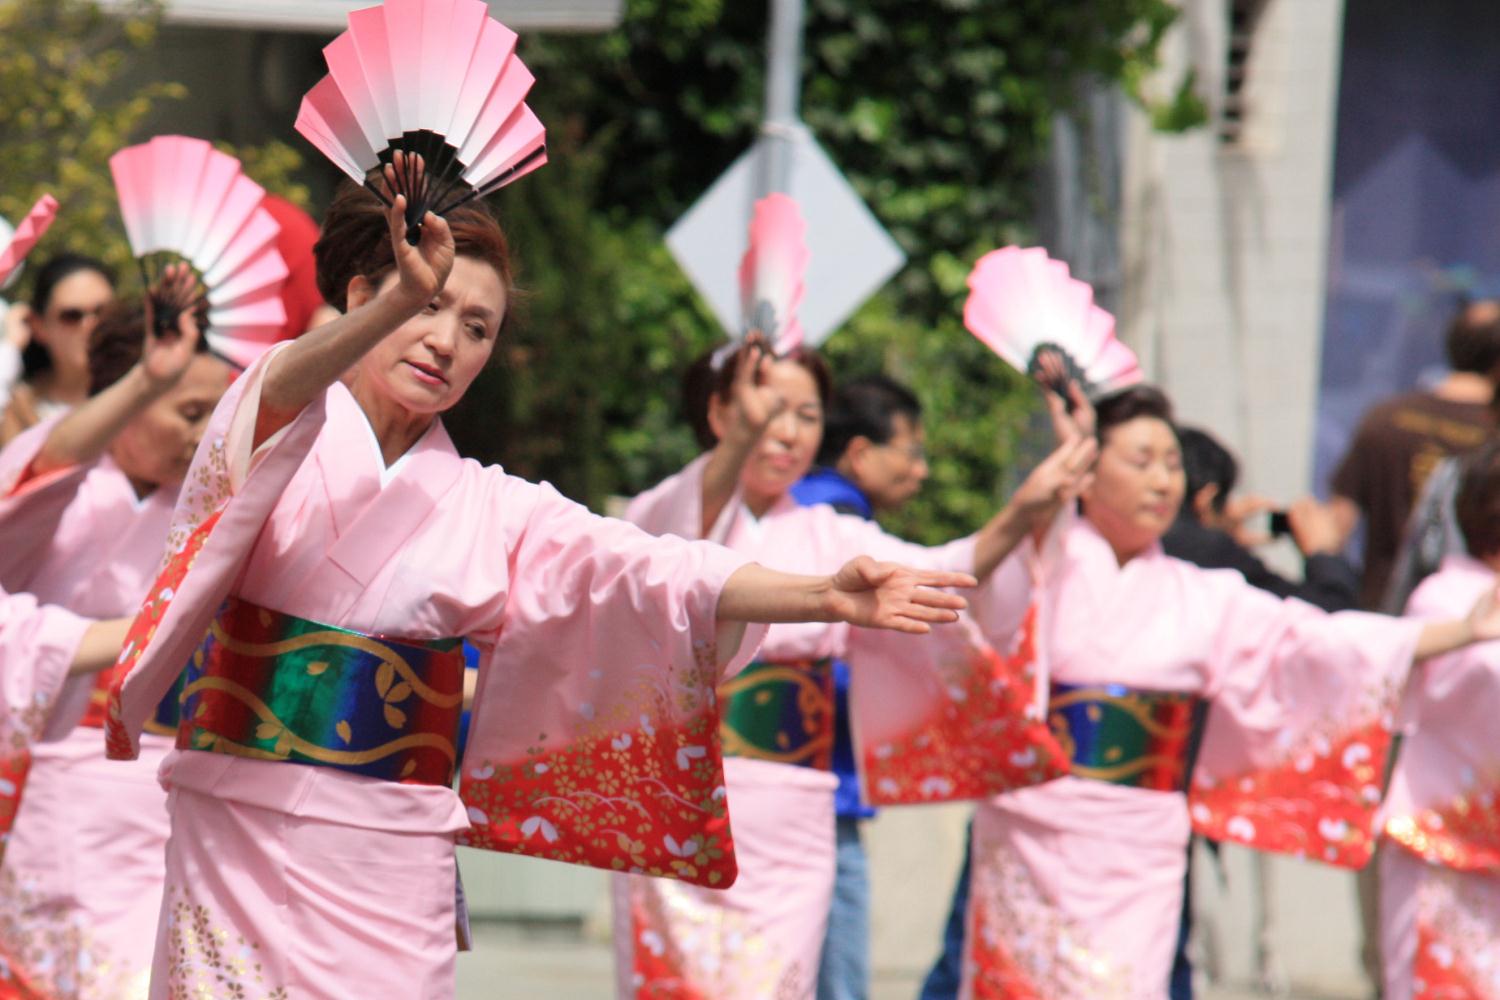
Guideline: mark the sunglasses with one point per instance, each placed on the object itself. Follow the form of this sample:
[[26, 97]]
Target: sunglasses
[[74, 315]]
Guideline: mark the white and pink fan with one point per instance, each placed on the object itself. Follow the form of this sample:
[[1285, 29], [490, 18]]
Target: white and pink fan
[[438, 78], [772, 272], [181, 199], [16, 243], [1027, 308]]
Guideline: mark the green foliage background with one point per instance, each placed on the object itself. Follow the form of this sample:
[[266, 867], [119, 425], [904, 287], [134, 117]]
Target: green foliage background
[[937, 111], [64, 117]]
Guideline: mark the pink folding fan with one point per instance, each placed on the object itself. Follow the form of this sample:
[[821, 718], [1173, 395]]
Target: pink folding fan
[[772, 272], [19, 242], [181, 199], [438, 78], [1028, 309]]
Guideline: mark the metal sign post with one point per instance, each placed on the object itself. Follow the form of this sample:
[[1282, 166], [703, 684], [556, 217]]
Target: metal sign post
[[783, 97], [852, 256]]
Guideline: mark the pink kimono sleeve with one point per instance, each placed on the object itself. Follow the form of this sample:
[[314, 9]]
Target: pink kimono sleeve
[[37, 645], [230, 490], [595, 734], [675, 506], [30, 506], [953, 714], [1296, 740]]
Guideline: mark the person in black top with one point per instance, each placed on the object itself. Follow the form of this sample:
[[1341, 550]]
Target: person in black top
[[1209, 531]]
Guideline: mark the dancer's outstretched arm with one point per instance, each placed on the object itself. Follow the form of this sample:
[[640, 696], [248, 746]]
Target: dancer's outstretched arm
[[1481, 624], [863, 592], [85, 433], [100, 646]]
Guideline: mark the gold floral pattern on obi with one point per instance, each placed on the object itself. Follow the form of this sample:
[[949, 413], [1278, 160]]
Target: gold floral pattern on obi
[[780, 712], [207, 960], [636, 785], [46, 956]]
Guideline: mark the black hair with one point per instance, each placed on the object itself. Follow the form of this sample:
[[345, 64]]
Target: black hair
[[1206, 462], [1127, 404], [1477, 504], [702, 381], [51, 274], [1474, 340], [865, 407]]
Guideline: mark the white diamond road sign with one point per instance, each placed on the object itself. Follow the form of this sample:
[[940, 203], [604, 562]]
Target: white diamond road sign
[[852, 255]]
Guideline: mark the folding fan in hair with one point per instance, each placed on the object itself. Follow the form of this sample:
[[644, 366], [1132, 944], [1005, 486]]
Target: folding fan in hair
[[771, 275], [436, 78], [16, 243], [1028, 309], [184, 200]]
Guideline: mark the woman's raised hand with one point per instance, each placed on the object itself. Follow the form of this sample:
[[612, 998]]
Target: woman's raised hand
[[1061, 477], [891, 596], [1073, 417], [424, 268], [167, 354], [753, 404]]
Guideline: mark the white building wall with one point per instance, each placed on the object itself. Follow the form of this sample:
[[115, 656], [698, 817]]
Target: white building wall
[[1225, 251]]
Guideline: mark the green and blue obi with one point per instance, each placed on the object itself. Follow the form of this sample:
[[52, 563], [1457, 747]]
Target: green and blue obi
[[781, 712], [272, 686], [1126, 736]]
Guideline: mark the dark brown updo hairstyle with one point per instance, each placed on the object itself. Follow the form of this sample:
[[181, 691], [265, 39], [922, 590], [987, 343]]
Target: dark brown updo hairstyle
[[1129, 403], [117, 343], [701, 382], [1477, 504], [356, 242]]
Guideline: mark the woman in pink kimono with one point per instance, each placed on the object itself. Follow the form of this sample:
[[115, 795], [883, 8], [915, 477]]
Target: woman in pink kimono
[[41, 646], [330, 554], [1440, 866], [1077, 883], [762, 420], [85, 501]]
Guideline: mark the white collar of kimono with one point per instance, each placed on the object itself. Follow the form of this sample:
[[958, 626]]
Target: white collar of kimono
[[137, 502], [756, 525], [390, 472]]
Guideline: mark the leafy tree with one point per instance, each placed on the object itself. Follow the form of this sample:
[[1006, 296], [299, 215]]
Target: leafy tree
[[60, 63], [938, 113]]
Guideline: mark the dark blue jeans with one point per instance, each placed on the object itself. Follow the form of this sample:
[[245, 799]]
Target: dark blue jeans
[[844, 973]]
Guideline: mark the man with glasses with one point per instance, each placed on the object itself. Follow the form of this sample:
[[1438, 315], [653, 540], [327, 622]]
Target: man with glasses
[[871, 459]]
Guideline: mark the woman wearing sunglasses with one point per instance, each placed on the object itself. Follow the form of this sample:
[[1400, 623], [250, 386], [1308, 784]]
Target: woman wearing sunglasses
[[46, 344], [86, 501]]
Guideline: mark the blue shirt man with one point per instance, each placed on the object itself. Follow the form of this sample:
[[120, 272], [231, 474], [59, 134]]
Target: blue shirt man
[[871, 459]]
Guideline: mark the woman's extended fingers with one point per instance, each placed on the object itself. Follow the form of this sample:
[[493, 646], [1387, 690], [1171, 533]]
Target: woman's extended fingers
[[435, 232], [930, 597], [396, 218], [942, 578]]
